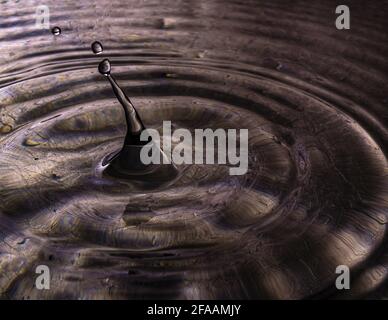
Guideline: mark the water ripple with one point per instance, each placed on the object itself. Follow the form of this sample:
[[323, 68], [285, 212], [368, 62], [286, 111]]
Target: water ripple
[[315, 195]]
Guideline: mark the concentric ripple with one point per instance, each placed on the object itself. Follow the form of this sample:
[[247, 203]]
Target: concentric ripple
[[315, 196]]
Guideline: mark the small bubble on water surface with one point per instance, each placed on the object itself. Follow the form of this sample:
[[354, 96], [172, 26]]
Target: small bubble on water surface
[[56, 31]]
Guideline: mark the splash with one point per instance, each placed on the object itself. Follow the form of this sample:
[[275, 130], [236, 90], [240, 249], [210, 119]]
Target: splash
[[127, 163]]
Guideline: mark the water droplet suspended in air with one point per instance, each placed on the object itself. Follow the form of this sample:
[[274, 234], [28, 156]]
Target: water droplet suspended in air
[[104, 67], [97, 47], [56, 31]]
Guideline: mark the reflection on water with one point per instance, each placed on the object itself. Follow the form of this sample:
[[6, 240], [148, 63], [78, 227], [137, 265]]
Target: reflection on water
[[315, 196]]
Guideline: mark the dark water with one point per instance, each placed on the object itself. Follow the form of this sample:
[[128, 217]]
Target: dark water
[[313, 98]]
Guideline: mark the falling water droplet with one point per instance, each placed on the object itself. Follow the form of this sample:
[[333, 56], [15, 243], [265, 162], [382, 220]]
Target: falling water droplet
[[56, 31], [97, 47], [104, 67]]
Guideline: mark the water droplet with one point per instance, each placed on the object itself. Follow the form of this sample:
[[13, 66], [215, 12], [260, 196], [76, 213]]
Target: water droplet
[[104, 67], [56, 31], [97, 47]]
